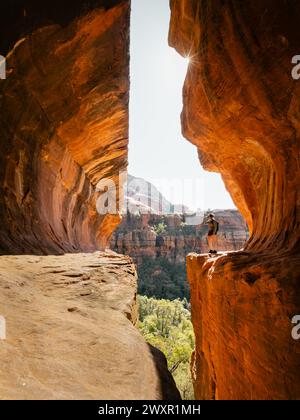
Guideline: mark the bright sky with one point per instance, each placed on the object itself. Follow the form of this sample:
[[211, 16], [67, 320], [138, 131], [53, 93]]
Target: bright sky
[[157, 150]]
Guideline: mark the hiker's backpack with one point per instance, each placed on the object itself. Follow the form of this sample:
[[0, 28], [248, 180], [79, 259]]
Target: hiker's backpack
[[217, 230]]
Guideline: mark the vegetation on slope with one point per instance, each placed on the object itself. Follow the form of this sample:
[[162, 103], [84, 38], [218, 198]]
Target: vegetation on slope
[[162, 279], [167, 325]]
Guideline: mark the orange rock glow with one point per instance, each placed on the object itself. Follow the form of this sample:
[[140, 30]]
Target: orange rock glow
[[241, 110]]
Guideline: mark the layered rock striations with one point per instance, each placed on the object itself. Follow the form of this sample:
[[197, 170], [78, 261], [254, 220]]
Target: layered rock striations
[[70, 319], [241, 110], [64, 121], [138, 236], [70, 331], [242, 307]]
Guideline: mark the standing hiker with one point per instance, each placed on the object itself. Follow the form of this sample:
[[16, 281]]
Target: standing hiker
[[212, 238]]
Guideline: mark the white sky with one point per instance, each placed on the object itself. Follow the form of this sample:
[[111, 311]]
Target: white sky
[[157, 150]]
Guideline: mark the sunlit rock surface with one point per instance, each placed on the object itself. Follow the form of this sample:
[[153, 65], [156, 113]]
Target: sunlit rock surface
[[242, 307], [70, 331], [64, 121], [241, 110], [136, 236]]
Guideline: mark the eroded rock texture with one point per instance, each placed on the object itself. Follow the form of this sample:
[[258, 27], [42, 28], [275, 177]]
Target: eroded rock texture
[[242, 307], [64, 121], [136, 236], [241, 110], [70, 331]]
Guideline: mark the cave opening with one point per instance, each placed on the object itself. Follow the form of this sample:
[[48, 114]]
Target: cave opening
[[166, 186], [158, 152], [64, 95], [64, 92]]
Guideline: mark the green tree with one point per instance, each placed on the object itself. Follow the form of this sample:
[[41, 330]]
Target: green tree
[[161, 278], [160, 228], [167, 325]]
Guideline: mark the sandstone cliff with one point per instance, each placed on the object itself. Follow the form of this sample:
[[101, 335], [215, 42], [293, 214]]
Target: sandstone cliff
[[241, 110], [70, 319], [70, 331], [64, 121], [137, 236]]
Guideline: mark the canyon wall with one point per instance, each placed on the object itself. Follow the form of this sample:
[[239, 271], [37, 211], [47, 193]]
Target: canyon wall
[[70, 319], [138, 237], [241, 110], [64, 121]]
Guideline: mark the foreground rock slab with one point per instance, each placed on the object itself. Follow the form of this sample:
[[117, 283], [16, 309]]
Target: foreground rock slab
[[70, 331]]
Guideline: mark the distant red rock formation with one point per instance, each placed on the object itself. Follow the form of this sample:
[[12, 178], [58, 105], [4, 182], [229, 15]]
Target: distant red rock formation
[[137, 235]]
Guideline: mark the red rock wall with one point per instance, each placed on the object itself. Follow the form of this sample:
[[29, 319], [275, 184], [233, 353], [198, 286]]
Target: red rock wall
[[136, 236], [239, 90], [241, 110], [242, 307], [64, 122]]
